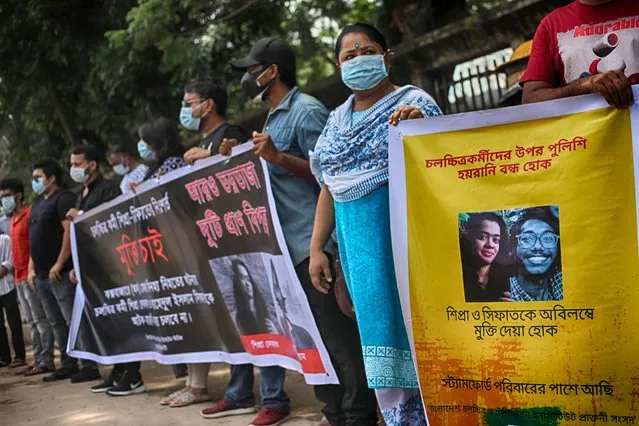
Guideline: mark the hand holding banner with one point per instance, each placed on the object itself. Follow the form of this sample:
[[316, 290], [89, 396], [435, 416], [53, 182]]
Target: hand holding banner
[[520, 269], [194, 269]]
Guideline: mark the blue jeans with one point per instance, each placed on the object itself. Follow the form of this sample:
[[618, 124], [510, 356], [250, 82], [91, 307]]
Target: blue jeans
[[240, 388], [57, 301]]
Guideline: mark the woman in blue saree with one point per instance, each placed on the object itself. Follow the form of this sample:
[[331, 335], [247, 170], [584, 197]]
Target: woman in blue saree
[[351, 162]]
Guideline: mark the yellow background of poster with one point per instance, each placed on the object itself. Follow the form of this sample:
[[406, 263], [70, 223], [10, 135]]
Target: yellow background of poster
[[594, 189]]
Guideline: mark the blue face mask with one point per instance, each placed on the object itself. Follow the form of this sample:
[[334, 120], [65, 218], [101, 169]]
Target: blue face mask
[[364, 72], [188, 121], [38, 185], [121, 169], [9, 204], [145, 152]]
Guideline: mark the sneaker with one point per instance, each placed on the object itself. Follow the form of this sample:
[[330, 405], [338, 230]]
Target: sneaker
[[108, 383], [268, 417], [224, 408], [127, 385], [86, 375], [59, 374]]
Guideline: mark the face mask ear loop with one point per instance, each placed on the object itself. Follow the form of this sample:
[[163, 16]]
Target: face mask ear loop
[[197, 106], [257, 80], [390, 58]]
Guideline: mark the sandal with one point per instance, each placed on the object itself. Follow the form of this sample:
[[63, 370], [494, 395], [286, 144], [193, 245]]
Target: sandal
[[169, 399], [188, 398], [17, 363], [38, 369]]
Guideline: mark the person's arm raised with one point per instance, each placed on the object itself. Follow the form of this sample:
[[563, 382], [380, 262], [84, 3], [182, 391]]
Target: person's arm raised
[[265, 148]]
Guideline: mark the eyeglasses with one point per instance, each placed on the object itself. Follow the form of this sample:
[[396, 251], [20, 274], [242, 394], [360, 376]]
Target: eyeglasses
[[528, 240], [186, 104]]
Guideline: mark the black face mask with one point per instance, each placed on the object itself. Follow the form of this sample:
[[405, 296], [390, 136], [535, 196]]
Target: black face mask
[[252, 88]]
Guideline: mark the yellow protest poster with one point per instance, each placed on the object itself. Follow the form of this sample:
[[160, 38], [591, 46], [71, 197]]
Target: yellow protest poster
[[516, 249]]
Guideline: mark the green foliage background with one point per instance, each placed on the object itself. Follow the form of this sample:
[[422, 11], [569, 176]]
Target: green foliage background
[[94, 70]]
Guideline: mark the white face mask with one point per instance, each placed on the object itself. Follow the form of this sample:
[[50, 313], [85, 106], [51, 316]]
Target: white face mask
[[80, 174], [9, 204]]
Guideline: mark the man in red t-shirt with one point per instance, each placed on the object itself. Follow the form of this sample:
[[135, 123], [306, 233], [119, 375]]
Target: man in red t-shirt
[[12, 195], [588, 46]]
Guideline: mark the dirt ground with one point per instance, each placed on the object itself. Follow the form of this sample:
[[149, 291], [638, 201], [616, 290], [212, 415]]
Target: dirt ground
[[29, 401]]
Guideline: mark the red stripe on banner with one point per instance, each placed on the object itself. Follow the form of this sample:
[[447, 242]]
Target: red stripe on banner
[[311, 361], [274, 344], [269, 344]]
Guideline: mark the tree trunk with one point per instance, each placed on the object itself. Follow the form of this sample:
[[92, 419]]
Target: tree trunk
[[62, 114]]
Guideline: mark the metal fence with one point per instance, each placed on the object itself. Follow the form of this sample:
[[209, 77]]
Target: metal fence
[[470, 87]]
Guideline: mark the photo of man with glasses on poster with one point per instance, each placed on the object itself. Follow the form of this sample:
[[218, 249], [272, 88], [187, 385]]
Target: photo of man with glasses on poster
[[537, 252]]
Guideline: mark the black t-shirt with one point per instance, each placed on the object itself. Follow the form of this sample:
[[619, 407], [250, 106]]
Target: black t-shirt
[[46, 230], [229, 131], [494, 289], [100, 191]]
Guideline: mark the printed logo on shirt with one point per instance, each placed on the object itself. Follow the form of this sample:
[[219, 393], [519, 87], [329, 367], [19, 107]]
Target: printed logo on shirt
[[596, 48], [600, 29]]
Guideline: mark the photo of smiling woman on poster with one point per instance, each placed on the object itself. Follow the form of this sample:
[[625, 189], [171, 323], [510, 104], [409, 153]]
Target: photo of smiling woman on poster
[[483, 243]]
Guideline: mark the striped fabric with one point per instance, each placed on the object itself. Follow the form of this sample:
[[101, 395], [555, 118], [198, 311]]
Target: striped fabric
[[7, 283], [351, 155]]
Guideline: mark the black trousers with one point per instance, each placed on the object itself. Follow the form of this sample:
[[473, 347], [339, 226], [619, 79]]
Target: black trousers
[[133, 369], [351, 402], [9, 304]]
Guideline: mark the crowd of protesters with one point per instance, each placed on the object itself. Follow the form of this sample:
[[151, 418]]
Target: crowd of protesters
[[329, 178]]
